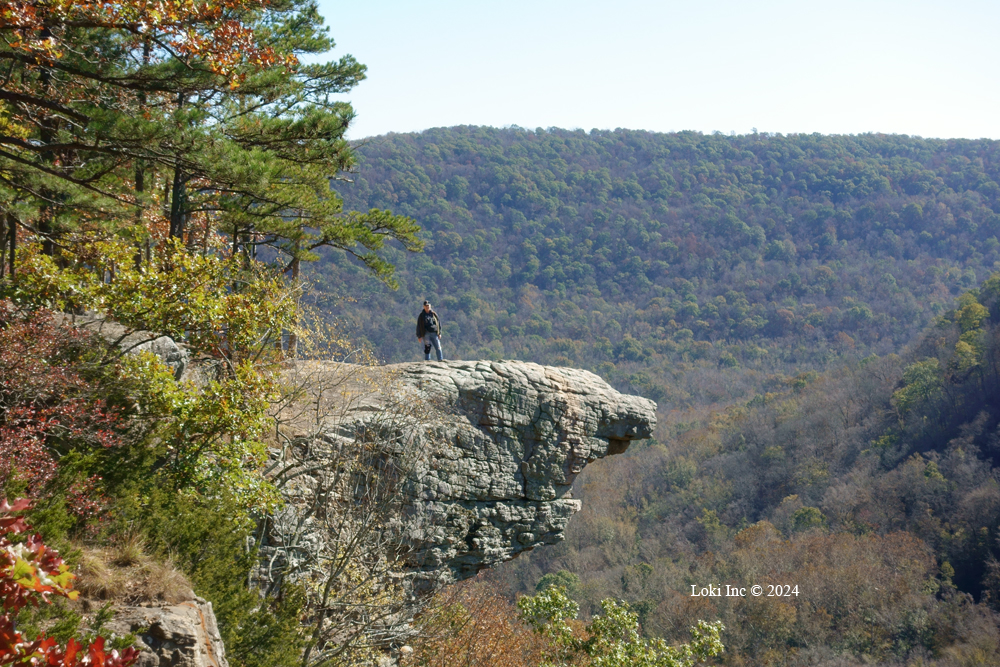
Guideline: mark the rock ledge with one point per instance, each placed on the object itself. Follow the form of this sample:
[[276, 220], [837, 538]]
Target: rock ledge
[[502, 442]]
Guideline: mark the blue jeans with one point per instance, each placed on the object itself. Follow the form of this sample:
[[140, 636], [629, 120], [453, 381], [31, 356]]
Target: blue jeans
[[431, 340]]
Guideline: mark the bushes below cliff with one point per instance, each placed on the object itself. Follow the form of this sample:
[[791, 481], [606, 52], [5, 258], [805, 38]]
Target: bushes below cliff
[[112, 447]]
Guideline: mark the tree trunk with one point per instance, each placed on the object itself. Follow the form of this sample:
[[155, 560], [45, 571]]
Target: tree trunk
[[140, 185], [140, 168], [293, 339], [13, 241], [177, 206], [178, 195], [8, 239], [47, 134]]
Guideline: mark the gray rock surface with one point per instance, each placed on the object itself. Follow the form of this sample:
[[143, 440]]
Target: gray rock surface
[[500, 444], [132, 341], [179, 635], [499, 476], [164, 347]]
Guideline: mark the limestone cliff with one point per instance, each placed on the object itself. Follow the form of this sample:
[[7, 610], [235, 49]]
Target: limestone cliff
[[499, 444], [477, 458]]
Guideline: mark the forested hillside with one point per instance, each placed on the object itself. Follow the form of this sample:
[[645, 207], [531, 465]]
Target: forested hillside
[[874, 489], [691, 269], [811, 314]]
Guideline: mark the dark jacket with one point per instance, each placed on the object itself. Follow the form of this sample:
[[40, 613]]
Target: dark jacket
[[423, 323]]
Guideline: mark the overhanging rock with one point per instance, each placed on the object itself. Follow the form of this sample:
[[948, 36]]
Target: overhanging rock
[[501, 443]]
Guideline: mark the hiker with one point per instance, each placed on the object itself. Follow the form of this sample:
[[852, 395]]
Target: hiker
[[429, 331]]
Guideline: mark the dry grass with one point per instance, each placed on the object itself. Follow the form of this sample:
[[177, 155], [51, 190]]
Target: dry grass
[[129, 549], [125, 573]]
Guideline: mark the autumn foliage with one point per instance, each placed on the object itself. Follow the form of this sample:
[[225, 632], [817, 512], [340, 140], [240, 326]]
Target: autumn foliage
[[30, 573], [48, 407], [473, 624], [210, 32]]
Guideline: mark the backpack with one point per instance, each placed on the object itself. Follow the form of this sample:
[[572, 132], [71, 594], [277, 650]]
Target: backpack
[[430, 323]]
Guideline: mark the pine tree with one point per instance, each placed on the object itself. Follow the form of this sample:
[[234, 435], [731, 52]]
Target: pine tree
[[182, 118]]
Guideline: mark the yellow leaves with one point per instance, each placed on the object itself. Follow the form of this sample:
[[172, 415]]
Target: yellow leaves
[[41, 282], [216, 306], [921, 382], [971, 316], [23, 573], [9, 127], [28, 570], [966, 356]]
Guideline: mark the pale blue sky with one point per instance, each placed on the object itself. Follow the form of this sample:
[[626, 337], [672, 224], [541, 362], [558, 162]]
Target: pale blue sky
[[908, 67]]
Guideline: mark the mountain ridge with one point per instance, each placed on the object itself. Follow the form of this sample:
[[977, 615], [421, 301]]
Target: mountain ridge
[[672, 264]]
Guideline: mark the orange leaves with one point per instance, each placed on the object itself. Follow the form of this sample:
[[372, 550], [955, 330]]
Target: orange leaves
[[210, 33], [851, 589], [228, 46], [472, 624]]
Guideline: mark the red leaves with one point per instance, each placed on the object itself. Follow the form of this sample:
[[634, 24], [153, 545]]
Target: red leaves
[[16, 650], [47, 652], [45, 402], [47, 406], [29, 573], [13, 524]]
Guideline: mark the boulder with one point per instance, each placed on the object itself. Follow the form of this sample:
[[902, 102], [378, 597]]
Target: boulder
[[131, 341]]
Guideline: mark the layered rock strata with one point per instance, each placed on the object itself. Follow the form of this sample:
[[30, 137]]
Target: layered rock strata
[[498, 477], [495, 448]]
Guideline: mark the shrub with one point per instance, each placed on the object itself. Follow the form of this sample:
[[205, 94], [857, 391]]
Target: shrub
[[612, 640], [31, 572]]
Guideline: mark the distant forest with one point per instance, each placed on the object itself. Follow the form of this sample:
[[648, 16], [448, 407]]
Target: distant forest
[[692, 269], [815, 316]]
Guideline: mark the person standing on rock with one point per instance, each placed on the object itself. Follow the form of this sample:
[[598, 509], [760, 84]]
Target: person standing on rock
[[429, 331]]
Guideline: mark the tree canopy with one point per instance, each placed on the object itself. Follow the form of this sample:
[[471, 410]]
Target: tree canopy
[[180, 118]]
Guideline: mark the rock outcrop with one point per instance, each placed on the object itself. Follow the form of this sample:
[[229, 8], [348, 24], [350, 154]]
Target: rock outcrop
[[179, 635], [499, 475], [130, 341], [498, 446], [500, 441]]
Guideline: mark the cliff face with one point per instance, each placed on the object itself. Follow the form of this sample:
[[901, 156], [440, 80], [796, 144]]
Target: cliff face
[[497, 443], [497, 477], [181, 635], [477, 459], [491, 450]]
